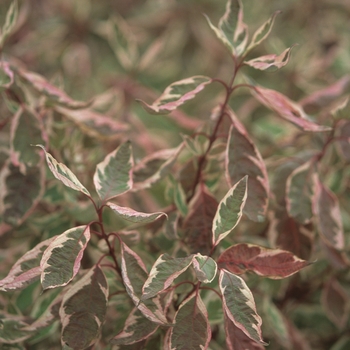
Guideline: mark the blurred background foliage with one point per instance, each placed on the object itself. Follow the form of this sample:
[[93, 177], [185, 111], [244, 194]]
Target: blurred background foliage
[[113, 52]]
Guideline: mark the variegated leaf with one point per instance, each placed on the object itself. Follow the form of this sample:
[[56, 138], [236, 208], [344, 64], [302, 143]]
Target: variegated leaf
[[154, 167], [230, 210], [239, 305], [83, 310], [63, 173], [299, 193], [10, 22], [336, 302], [20, 193], [27, 269], [11, 331], [6, 75], [133, 215], [232, 31], [136, 328], [94, 124], [270, 62], [236, 339], [243, 158], [113, 176], [328, 216], [135, 274], [272, 263], [163, 273], [26, 129], [192, 329], [61, 259], [342, 110], [53, 94], [205, 268], [199, 222], [262, 32], [177, 94], [287, 109]]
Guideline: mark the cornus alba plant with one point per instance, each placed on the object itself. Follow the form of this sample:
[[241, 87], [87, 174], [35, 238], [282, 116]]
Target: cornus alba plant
[[194, 294]]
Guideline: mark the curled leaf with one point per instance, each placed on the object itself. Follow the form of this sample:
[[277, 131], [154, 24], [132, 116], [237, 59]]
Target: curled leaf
[[177, 94]]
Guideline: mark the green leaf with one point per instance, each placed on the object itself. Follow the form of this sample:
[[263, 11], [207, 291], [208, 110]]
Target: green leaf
[[192, 329], [133, 215], [61, 259], [10, 22], [26, 129], [163, 273], [205, 268], [342, 110], [177, 94], [239, 305], [113, 176], [63, 173], [230, 210], [243, 158], [300, 191], [83, 310]]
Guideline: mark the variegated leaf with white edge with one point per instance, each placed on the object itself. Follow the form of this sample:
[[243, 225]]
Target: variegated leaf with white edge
[[63, 173], [27, 269], [133, 215], [6, 75], [328, 215], [177, 94], [192, 329], [299, 193], [61, 259], [10, 22], [26, 128], [11, 330], [230, 210], [239, 305], [232, 31], [113, 176], [134, 275], [163, 273], [154, 167], [243, 158], [136, 328], [205, 268], [270, 62], [262, 32], [83, 310]]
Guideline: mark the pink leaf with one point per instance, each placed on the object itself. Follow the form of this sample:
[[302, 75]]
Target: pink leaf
[[272, 263], [6, 75], [177, 94], [287, 109], [328, 216], [243, 158]]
